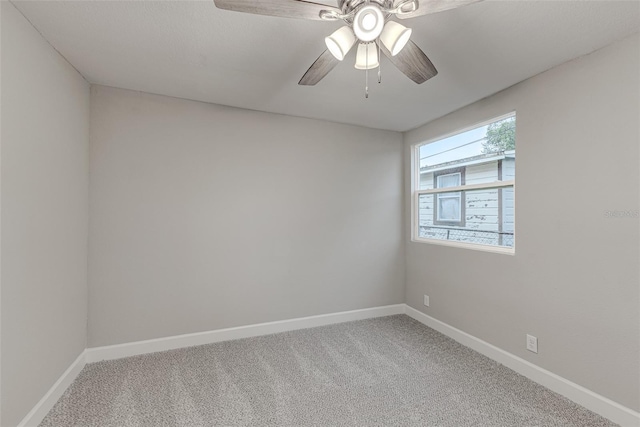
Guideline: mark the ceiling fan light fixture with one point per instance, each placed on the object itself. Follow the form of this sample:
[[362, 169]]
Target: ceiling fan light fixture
[[340, 42], [367, 56], [368, 23], [395, 37]]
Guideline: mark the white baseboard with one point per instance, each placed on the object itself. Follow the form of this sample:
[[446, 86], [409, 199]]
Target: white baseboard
[[97, 354], [592, 401], [42, 408]]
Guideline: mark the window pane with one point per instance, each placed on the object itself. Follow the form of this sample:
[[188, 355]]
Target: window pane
[[487, 154], [488, 217], [451, 180], [449, 207]]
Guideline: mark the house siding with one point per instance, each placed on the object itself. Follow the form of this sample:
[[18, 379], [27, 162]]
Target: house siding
[[508, 197], [488, 212]]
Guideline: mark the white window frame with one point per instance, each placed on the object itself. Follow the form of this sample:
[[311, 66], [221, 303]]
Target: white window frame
[[416, 193]]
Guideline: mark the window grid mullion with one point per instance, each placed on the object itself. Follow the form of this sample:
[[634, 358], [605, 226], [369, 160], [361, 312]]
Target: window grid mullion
[[484, 186]]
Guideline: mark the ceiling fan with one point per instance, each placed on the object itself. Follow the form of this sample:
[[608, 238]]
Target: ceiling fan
[[368, 23]]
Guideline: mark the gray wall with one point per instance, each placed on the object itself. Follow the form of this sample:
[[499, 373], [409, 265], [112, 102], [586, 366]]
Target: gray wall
[[44, 187], [574, 280], [205, 217]]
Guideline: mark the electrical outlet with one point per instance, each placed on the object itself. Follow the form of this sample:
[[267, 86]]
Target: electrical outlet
[[426, 300], [532, 343]]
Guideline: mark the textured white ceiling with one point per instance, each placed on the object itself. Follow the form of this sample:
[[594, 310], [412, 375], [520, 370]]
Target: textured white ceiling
[[191, 49]]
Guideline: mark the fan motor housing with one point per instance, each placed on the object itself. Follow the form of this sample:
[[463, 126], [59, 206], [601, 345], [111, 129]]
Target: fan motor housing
[[348, 6]]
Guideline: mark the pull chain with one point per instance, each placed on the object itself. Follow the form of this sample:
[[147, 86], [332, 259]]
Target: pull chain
[[366, 72], [379, 64]]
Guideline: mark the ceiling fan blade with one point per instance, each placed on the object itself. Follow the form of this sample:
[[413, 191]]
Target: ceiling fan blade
[[426, 7], [284, 8], [323, 65], [412, 62]]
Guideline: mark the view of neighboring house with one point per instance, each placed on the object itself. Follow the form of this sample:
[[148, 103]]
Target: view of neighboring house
[[484, 216]]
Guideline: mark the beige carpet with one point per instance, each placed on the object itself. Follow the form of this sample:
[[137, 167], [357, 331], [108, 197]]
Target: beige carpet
[[390, 371]]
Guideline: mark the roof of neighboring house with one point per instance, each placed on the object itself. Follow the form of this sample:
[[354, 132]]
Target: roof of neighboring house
[[475, 160]]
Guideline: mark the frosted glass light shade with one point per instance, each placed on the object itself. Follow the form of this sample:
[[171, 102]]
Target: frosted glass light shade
[[340, 42], [395, 37], [367, 57]]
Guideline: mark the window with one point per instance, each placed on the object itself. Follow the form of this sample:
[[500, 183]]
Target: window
[[464, 186], [449, 206]]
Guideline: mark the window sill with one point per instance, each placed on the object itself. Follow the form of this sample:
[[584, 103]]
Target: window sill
[[473, 246]]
